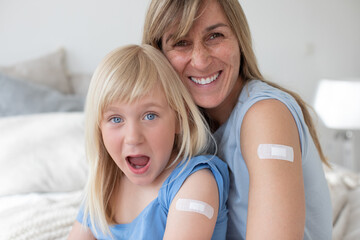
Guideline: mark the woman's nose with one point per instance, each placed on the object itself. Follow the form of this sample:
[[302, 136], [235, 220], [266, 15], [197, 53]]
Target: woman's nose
[[133, 134], [200, 57]]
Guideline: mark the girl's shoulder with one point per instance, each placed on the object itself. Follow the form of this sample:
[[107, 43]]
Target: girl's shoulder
[[174, 182], [203, 184], [199, 162], [186, 168]]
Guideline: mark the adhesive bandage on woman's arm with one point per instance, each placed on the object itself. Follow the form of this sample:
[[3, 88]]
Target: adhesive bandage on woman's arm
[[190, 205], [275, 151]]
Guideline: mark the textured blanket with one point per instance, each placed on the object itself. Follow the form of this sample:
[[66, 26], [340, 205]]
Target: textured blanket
[[38, 216]]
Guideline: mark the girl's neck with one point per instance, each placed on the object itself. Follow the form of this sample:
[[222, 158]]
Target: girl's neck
[[129, 199], [154, 186]]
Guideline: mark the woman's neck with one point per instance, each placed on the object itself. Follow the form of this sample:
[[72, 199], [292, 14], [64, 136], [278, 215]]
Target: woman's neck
[[221, 113]]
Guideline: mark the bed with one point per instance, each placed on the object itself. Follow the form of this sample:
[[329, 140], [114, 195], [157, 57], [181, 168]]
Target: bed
[[42, 158]]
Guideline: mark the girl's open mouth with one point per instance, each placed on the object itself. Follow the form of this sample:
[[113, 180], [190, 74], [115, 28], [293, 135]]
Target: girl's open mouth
[[138, 164]]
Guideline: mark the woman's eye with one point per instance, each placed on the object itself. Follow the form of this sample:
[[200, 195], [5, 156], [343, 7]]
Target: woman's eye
[[216, 35], [181, 43], [116, 120], [150, 116]]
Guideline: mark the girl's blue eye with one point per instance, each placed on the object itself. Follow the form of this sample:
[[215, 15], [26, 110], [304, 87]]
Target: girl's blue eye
[[150, 116], [116, 120]]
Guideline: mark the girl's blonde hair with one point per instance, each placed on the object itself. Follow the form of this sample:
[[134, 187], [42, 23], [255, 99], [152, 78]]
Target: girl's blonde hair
[[164, 14], [127, 74]]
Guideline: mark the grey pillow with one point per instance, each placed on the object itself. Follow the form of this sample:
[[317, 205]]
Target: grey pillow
[[19, 97], [38, 70]]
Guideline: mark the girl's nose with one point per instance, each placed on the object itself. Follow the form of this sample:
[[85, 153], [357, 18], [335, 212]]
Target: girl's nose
[[200, 57], [133, 134]]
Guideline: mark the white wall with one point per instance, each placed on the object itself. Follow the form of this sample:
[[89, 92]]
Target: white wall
[[88, 29], [297, 42], [300, 42]]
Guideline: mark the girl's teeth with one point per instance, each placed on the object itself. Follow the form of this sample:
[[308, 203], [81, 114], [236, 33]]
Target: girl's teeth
[[203, 81]]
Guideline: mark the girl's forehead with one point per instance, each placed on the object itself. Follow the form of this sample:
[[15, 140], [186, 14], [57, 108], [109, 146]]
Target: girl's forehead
[[137, 95], [154, 100]]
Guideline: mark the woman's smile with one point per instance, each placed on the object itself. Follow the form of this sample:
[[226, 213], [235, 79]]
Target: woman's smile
[[207, 58], [205, 80]]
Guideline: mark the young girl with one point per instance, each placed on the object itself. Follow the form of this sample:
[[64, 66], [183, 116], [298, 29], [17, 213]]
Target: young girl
[[142, 134]]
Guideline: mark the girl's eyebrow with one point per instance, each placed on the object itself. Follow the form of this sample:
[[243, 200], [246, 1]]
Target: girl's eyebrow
[[153, 104], [208, 29], [114, 109], [110, 109], [108, 112]]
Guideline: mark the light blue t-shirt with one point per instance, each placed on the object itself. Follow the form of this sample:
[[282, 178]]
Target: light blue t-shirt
[[318, 223], [151, 222]]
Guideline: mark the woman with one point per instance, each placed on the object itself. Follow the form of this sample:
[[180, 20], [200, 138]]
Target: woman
[[264, 132]]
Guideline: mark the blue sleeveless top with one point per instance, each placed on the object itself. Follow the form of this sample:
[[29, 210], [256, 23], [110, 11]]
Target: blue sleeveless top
[[151, 222], [318, 222]]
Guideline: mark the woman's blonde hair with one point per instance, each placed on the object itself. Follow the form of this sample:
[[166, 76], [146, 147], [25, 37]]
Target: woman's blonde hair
[[127, 74], [165, 14]]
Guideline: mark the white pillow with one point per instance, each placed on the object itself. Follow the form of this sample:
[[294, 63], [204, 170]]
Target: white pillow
[[42, 153], [49, 70]]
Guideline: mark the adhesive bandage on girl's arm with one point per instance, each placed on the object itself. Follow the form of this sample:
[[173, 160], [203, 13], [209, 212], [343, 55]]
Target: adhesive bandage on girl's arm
[[190, 205], [275, 151]]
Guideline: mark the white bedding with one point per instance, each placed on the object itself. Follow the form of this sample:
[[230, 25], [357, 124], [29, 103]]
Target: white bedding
[[352, 229], [345, 196], [43, 171], [40, 216], [42, 153], [43, 167]]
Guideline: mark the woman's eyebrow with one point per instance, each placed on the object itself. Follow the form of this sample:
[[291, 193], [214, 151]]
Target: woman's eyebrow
[[208, 29], [168, 38], [212, 27]]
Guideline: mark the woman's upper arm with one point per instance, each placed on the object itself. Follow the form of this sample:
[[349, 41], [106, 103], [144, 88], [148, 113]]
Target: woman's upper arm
[[80, 232], [200, 186], [276, 190]]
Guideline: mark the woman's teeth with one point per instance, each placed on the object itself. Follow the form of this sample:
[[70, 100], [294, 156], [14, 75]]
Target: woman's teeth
[[203, 81]]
